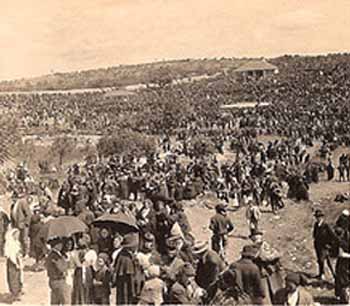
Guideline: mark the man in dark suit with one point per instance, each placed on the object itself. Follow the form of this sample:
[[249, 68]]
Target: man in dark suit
[[248, 275], [323, 238]]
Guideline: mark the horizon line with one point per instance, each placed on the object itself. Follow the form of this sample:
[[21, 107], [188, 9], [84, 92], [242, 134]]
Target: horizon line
[[175, 59]]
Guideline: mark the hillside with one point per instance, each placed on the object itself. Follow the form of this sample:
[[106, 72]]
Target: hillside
[[122, 75]]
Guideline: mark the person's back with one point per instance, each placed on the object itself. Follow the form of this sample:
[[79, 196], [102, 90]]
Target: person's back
[[220, 224], [248, 275], [208, 269]]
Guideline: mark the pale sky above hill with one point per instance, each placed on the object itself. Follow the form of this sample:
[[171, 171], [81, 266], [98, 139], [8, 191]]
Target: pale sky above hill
[[42, 36]]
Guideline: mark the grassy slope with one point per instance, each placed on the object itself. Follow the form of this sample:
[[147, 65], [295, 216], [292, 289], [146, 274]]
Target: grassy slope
[[122, 75]]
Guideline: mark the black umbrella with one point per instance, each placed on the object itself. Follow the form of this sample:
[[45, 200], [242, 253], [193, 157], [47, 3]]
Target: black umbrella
[[119, 222]]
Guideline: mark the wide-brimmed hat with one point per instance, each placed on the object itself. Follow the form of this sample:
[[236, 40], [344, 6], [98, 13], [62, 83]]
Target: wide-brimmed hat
[[319, 213], [249, 251], [200, 247]]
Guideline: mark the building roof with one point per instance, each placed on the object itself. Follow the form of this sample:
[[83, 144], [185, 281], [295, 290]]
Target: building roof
[[256, 66]]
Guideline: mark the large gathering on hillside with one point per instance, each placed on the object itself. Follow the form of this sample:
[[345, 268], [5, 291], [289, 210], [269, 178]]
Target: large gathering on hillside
[[114, 226]]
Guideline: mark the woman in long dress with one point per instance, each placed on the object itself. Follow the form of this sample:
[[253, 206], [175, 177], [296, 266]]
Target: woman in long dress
[[14, 265]]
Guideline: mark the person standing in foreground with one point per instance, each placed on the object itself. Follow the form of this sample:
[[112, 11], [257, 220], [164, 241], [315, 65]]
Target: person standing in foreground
[[248, 275], [14, 263], [323, 237], [57, 266], [127, 276], [21, 216], [221, 226], [253, 215], [208, 266]]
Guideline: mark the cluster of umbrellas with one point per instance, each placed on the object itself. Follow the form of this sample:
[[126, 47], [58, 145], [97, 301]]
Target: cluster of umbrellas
[[66, 226]]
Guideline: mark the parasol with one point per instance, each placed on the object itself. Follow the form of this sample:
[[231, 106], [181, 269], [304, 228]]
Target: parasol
[[62, 227], [120, 222]]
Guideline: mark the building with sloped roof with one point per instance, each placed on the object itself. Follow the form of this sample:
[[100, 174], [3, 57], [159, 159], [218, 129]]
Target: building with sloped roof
[[256, 70]]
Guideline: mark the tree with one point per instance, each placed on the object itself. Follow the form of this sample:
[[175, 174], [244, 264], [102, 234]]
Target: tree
[[127, 143], [63, 146]]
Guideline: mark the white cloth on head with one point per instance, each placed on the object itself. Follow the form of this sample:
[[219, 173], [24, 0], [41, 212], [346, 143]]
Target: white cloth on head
[[12, 248]]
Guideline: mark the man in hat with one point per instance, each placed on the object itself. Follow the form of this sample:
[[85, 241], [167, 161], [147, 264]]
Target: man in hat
[[209, 265], [293, 294], [253, 215], [323, 237], [268, 261], [128, 276], [57, 267], [221, 226], [248, 275], [172, 264]]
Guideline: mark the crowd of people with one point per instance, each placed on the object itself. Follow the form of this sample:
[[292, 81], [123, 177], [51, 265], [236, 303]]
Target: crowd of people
[[158, 259]]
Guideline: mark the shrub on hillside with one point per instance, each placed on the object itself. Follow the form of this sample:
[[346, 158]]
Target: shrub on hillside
[[127, 143], [62, 147]]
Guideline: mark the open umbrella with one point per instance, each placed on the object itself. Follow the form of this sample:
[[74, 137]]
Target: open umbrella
[[119, 222], [62, 227]]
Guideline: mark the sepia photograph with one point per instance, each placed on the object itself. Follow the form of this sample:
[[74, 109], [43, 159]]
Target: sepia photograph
[[175, 152]]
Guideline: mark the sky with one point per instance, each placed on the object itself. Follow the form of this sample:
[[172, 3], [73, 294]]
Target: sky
[[44, 36]]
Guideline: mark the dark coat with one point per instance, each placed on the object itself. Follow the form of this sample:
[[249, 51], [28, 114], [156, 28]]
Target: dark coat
[[4, 223], [220, 225], [56, 266], [208, 269], [249, 279], [128, 278], [323, 236], [82, 292], [101, 284], [37, 241], [105, 245]]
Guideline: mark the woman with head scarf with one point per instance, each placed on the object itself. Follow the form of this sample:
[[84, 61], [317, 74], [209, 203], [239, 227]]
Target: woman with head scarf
[[14, 265]]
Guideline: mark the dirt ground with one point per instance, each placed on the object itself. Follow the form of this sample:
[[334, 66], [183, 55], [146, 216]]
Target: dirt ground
[[290, 232]]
